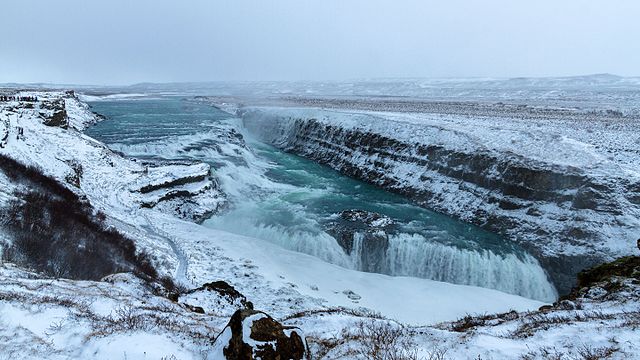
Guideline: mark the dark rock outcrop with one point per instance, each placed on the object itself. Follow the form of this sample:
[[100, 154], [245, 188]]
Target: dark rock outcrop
[[618, 280], [174, 182], [628, 267], [371, 229], [225, 291], [367, 218], [218, 297], [55, 113], [266, 339]]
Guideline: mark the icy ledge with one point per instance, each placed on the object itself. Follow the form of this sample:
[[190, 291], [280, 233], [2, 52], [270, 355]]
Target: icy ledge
[[540, 183]]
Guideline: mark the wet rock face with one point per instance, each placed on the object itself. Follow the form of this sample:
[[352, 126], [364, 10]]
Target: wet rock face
[[253, 334], [365, 232]]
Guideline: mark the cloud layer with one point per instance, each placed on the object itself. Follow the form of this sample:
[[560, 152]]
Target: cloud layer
[[122, 42]]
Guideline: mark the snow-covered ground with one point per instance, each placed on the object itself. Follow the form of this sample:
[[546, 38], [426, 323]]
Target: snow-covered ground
[[585, 93], [120, 318], [113, 319], [117, 318], [597, 324]]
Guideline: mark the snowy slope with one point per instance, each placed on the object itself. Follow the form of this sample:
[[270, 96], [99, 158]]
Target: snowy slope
[[118, 318], [599, 320]]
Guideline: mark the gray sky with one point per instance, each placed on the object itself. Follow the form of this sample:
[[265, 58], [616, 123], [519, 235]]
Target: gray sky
[[126, 41]]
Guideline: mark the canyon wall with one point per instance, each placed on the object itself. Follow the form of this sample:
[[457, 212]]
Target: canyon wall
[[566, 216]]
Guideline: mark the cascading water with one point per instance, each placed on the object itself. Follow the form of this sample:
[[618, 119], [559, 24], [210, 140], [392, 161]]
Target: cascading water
[[293, 202], [413, 255]]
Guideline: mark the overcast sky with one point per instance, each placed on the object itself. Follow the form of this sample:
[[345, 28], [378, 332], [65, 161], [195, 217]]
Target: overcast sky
[[125, 41]]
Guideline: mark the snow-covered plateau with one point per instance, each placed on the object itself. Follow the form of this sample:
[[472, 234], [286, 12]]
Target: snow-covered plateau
[[198, 298]]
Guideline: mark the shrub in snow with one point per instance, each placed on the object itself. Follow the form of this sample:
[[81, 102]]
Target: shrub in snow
[[54, 231]]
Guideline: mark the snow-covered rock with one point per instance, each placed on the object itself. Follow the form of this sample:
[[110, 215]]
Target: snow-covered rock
[[252, 334], [226, 297]]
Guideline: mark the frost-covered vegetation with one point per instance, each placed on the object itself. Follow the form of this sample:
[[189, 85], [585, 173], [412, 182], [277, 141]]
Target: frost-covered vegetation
[[54, 232]]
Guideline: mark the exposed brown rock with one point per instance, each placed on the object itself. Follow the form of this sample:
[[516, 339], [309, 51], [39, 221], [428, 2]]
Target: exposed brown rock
[[268, 339]]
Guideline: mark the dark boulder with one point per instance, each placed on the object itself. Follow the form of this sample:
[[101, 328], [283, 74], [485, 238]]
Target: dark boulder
[[225, 290], [252, 334], [195, 309], [371, 228]]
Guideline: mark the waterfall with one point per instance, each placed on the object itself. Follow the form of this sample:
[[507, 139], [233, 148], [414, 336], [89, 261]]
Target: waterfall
[[293, 211], [414, 255]]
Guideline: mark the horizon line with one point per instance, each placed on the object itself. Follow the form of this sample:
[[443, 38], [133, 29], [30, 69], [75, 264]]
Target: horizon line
[[362, 79]]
